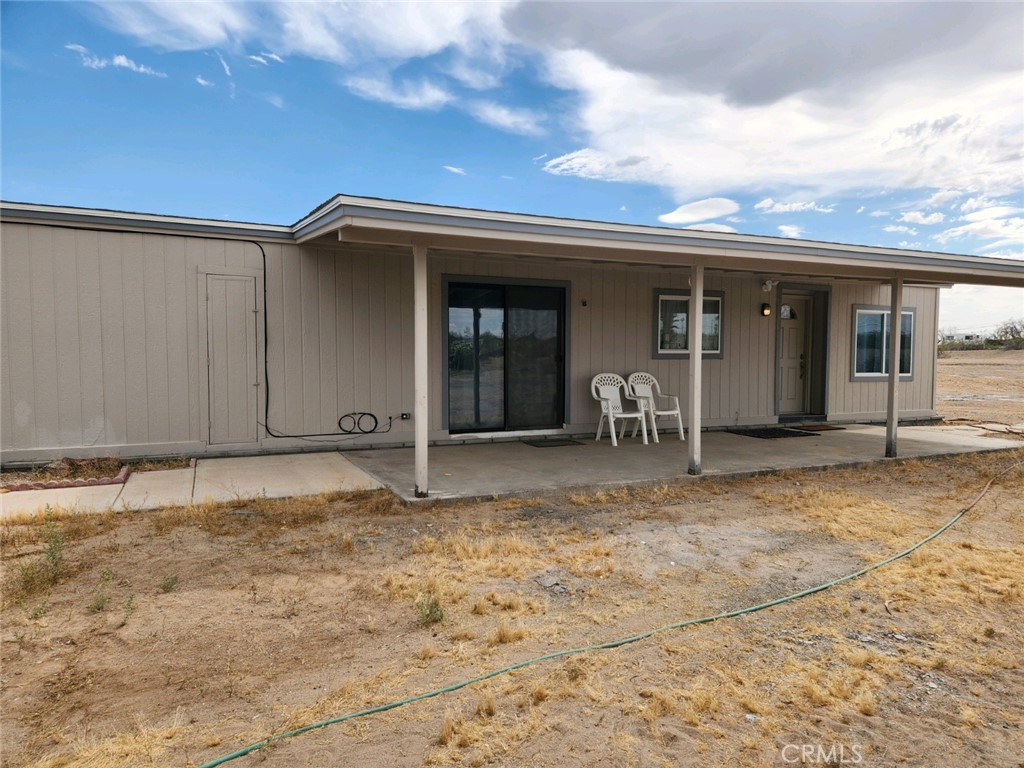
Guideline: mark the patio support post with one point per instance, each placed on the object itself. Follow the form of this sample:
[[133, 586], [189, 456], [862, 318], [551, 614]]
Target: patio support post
[[695, 342], [895, 335], [421, 374]]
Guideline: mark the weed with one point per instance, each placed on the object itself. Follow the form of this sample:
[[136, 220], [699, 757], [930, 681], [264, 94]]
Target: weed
[[129, 609], [102, 596], [429, 609], [168, 584], [54, 538], [39, 611]]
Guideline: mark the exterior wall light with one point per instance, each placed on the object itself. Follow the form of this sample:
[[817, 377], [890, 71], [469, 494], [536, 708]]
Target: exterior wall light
[[766, 309]]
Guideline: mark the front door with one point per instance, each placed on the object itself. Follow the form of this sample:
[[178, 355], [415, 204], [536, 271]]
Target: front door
[[794, 352], [506, 357]]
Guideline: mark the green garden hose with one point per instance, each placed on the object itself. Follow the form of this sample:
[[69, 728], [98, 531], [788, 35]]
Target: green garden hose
[[607, 645]]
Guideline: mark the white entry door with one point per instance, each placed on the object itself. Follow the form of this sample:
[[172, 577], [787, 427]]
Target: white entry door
[[794, 316], [231, 357]]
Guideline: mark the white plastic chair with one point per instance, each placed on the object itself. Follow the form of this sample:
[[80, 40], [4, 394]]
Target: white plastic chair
[[607, 389], [644, 388]]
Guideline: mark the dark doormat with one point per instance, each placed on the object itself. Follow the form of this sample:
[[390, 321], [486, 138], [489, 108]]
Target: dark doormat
[[551, 443], [816, 427], [771, 433]]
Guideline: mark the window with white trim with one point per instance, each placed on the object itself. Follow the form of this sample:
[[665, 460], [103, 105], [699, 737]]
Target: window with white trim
[[871, 342], [672, 323]]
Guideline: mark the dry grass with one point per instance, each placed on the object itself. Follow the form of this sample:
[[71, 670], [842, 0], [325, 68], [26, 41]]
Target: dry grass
[[949, 614]]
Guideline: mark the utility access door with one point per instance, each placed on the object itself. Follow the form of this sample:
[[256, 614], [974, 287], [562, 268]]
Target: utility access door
[[231, 358]]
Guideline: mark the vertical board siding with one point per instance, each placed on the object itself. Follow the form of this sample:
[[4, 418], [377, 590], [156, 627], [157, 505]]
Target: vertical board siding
[[102, 338], [857, 398], [101, 343]]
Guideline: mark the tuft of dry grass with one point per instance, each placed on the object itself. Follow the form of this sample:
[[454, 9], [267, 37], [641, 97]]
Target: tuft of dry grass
[[503, 634]]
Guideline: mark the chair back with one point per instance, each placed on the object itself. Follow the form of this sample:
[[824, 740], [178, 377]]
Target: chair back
[[643, 384], [606, 388]]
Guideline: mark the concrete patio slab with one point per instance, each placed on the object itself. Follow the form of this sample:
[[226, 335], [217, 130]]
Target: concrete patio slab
[[296, 474], [504, 468], [97, 498], [149, 490]]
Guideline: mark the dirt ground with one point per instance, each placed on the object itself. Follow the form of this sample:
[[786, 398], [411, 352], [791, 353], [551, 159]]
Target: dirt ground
[[175, 637], [985, 385]]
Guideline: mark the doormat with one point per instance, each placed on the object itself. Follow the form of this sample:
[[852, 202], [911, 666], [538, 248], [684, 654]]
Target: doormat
[[550, 443], [770, 433], [816, 427]]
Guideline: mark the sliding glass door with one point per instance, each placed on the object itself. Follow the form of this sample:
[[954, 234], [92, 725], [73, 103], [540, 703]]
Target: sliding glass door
[[506, 357]]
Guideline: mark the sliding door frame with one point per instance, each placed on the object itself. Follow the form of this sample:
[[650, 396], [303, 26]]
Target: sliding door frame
[[565, 285]]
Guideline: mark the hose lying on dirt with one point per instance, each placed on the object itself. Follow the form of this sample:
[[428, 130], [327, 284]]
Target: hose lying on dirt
[[607, 645]]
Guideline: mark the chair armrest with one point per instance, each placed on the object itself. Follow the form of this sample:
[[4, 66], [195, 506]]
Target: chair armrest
[[671, 399]]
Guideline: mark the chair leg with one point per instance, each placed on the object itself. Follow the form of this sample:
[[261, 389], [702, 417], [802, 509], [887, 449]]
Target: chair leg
[[679, 420], [643, 426], [654, 427], [611, 429], [622, 431], [600, 427]]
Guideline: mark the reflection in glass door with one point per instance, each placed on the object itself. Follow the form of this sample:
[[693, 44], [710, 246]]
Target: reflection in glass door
[[505, 357]]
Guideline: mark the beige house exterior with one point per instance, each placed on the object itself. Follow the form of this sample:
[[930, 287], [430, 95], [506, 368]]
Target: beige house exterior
[[144, 335]]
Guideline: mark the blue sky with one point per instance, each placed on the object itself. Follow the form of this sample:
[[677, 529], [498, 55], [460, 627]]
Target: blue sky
[[899, 125]]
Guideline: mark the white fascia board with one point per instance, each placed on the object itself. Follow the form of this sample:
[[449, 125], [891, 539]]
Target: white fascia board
[[147, 221]]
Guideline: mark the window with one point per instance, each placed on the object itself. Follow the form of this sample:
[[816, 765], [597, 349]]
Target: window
[[871, 342], [671, 324]]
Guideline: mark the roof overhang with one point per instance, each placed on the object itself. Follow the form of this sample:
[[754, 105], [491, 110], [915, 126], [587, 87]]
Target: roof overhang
[[363, 220], [352, 219]]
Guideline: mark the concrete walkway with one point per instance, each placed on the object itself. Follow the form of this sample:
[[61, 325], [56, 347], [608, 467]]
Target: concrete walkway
[[501, 468], [295, 474]]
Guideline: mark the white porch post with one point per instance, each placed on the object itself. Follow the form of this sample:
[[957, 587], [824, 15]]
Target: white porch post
[[895, 334], [695, 339], [421, 373]]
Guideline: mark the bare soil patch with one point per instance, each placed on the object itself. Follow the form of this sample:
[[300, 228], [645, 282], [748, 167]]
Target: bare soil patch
[[981, 385], [176, 636]]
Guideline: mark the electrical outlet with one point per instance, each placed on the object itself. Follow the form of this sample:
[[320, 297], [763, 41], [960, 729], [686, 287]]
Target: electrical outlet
[[405, 417]]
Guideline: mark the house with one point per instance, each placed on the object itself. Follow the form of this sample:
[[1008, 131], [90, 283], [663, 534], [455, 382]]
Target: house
[[375, 322]]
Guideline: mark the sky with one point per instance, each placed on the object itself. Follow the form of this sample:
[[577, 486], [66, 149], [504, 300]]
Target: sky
[[894, 124]]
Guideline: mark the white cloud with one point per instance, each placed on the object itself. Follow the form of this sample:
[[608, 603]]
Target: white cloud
[[771, 206], [900, 228], [538, 158], [974, 203], [710, 226], [257, 59], [274, 100], [513, 120], [623, 208], [184, 26], [913, 245], [995, 212], [735, 219], [453, 169], [916, 217], [406, 95], [791, 230], [272, 56], [224, 64], [699, 210], [878, 214], [119, 61], [861, 209], [203, 81], [941, 198], [1004, 231]]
